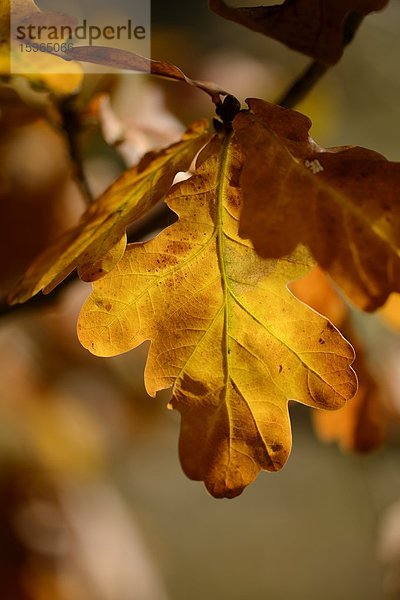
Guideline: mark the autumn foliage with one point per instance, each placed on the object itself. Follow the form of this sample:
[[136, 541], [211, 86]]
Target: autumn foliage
[[214, 293]]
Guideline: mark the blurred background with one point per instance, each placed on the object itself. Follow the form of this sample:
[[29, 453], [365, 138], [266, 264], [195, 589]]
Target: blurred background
[[93, 503]]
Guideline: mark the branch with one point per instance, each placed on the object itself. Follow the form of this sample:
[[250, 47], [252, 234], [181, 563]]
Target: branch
[[303, 85], [71, 124], [316, 70]]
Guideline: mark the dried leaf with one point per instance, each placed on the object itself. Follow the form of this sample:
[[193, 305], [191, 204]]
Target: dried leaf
[[123, 59], [226, 333], [96, 244], [340, 202], [315, 27]]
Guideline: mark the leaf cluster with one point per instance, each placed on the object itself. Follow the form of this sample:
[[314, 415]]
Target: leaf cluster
[[264, 204]]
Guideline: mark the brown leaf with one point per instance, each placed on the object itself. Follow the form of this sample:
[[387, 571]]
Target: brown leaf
[[315, 27], [123, 59], [343, 203]]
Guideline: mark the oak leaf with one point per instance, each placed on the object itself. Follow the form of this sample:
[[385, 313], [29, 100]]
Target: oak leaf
[[317, 28], [360, 425], [98, 242], [342, 203], [226, 333]]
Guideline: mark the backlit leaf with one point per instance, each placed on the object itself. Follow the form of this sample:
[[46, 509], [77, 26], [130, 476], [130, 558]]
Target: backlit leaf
[[226, 333], [96, 244], [343, 203], [360, 426], [315, 27]]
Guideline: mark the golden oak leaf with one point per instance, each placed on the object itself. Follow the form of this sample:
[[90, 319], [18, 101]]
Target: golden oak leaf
[[317, 28], [342, 203], [98, 242], [360, 425], [226, 333]]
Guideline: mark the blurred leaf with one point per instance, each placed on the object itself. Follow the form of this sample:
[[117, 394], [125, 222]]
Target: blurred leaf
[[315, 27], [35, 194], [225, 331], [390, 311], [40, 68], [98, 241], [315, 290], [360, 426]]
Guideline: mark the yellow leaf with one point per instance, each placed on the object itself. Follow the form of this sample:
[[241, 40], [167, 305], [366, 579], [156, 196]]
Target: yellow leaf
[[42, 69], [98, 242], [226, 333], [50, 72], [360, 426], [340, 202]]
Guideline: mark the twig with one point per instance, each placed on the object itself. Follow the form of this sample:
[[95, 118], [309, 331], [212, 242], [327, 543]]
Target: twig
[[303, 85], [316, 70], [72, 126]]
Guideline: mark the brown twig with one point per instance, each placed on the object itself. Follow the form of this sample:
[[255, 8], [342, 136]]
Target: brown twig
[[72, 127], [303, 85], [316, 70]]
